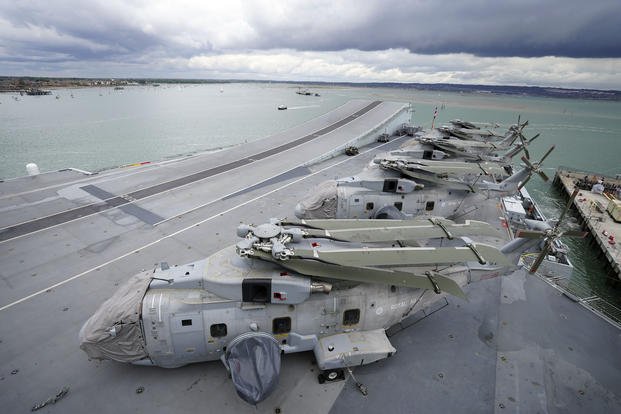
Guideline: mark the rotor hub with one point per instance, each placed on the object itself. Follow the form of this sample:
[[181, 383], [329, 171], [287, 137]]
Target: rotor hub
[[266, 231]]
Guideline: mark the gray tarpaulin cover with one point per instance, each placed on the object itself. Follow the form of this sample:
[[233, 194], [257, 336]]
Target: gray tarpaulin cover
[[254, 361], [321, 204], [114, 332]]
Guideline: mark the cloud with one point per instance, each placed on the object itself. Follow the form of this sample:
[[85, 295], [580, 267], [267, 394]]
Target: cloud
[[555, 42], [399, 65], [523, 28]]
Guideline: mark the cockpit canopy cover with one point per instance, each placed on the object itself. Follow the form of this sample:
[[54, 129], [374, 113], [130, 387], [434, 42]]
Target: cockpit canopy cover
[[322, 201], [253, 359], [114, 332]]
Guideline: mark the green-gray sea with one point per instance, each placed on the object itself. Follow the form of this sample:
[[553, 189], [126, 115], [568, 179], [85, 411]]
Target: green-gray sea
[[98, 128]]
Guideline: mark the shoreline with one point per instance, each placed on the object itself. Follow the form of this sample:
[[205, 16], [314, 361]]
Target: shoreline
[[10, 84]]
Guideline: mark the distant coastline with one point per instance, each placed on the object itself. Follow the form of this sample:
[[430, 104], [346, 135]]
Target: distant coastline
[[11, 84]]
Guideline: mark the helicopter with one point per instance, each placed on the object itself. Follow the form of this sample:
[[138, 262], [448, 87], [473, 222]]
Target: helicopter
[[479, 150], [397, 188], [469, 131], [332, 287]]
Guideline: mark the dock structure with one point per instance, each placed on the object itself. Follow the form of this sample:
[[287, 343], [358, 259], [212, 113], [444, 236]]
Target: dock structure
[[592, 206]]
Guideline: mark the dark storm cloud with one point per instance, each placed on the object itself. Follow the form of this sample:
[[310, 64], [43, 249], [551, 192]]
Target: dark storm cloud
[[92, 30], [521, 28], [494, 41], [76, 30]]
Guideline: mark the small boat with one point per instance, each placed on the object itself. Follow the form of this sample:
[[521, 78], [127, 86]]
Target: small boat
[[35, 92], [282, 107]]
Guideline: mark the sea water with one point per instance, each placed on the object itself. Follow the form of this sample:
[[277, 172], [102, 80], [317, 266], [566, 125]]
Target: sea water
[[98, 128]]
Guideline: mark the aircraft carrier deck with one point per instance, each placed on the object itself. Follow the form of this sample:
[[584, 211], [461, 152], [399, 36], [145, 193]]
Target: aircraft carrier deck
[[68, 240]]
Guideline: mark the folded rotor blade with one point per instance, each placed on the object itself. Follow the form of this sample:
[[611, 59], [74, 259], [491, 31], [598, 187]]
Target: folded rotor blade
[[373, 275], [426, 229], [367, 274], [405, 256], [339, 224]]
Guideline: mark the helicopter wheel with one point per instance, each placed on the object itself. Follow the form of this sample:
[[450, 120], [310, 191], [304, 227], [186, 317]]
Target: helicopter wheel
[[331, 375]]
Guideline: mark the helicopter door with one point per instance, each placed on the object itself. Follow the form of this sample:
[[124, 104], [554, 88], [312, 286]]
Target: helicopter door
[[220, 328], [355, 206], [187, 336]]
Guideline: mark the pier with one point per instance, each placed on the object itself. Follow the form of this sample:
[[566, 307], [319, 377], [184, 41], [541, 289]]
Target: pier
[[595, 218]]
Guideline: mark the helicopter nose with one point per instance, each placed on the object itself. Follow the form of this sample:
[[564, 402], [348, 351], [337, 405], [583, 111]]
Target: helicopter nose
[[299, 211]]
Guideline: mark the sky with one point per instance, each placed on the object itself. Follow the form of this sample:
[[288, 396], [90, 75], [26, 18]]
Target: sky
[[558, 43]]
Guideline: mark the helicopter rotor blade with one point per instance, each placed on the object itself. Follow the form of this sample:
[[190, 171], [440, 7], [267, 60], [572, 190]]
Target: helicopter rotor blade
[[543, 175], [541, 257], [526, 142], [526, 153], [528, 163], [546, 155], [405, 256], [523, 183], [370, 275], [575, 233], [567, 207], [420, 229]]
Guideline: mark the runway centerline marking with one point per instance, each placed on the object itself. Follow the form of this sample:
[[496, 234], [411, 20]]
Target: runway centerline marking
[[78, 213]]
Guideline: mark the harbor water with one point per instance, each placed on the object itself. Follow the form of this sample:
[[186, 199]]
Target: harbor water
[[94, 129]]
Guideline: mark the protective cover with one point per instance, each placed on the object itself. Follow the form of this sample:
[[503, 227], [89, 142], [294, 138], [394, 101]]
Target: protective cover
[[254, 362], [114, 331], [322, 203]]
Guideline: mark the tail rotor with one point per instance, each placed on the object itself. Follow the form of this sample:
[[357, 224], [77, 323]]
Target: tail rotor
[[550, 235], [535, 168]]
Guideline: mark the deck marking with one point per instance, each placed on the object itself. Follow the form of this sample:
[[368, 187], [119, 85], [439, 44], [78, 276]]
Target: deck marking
[[140, 213], [32, 226], [116, 259]]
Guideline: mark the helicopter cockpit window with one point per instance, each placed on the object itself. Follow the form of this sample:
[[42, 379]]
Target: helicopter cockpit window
[[351, 316], [370, 206], [429, 206], [398, 205], [281, 325], [218, 330]]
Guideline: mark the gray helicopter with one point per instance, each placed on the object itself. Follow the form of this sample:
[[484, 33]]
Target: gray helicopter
[[469, 131], [332, 287], [482, 150], [396, 188]]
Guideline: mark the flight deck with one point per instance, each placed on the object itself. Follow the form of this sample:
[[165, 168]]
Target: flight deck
[[68, 239]]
